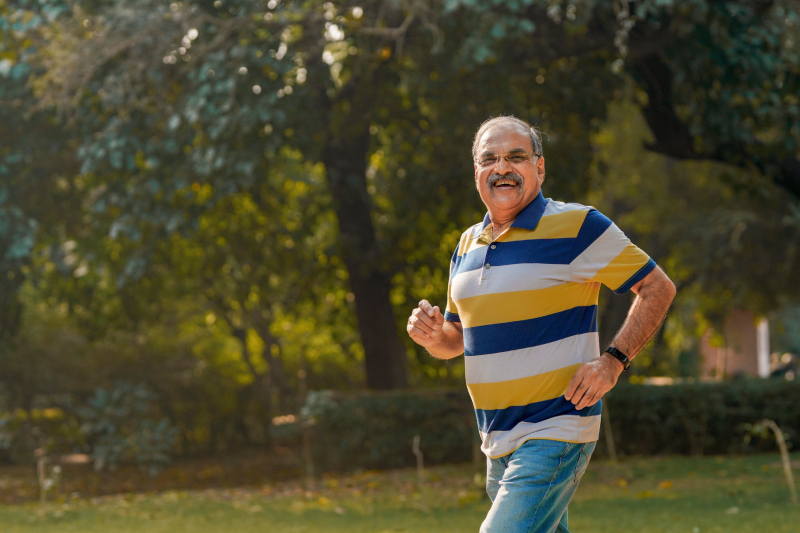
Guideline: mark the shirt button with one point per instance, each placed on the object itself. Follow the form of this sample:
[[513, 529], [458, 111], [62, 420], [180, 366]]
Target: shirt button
[[488, 265], [494, 246]]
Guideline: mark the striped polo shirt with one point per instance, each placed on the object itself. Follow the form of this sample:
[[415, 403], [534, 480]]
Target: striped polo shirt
[[527, 302]]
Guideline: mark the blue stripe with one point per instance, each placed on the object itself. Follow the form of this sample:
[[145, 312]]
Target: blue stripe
[[508, 336], [594, 225], [451, 317], [529, 217], [636, 278], [470, 261], [507, 419], [544, 251]]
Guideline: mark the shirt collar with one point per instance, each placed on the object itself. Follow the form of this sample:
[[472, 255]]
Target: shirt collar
[[528, 218]]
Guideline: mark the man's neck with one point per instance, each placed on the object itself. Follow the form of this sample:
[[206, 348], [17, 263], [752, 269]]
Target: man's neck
[[502, 222], [502, 219]]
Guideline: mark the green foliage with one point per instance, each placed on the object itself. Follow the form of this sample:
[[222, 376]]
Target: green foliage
[[709, 226], [788, 326], [51, 430], [376, 430], [162, 185], [121, 426], [701, 418]]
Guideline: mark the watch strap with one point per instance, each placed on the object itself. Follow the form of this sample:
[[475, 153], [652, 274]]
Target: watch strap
[[619, 355]]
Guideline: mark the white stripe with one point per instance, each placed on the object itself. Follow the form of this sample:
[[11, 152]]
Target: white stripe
[[473, 231], [599, 254], [571, 428], [515, 364], [554, 208], [510, 278]]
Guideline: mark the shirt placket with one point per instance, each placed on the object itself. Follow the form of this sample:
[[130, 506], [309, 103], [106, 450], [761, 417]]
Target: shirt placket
[[491, 249]]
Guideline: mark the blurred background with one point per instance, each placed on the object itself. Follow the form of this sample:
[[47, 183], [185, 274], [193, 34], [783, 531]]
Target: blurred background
[[216, 216]]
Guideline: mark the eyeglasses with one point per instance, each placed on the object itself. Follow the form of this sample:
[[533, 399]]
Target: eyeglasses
[[513, 158]]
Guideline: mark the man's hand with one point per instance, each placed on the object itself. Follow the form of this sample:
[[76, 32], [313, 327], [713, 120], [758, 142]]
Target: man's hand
[[593, 380], [427, 327], [425, 324]]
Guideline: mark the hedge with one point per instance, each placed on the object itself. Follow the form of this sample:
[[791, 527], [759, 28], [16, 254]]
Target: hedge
[[701, 418], [375, 430]]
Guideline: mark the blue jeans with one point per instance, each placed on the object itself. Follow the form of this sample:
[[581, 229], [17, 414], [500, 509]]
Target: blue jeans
[[531, 487]]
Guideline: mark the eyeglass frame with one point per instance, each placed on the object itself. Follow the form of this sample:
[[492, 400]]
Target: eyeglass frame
[[529, 157]]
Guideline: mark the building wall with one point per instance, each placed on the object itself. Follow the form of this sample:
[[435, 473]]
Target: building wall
[[739, 356]]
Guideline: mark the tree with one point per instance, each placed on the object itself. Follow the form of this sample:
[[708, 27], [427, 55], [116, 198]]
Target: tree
[[144, 113], [36, 162], [165, 102], [708, 224], [721, 78]]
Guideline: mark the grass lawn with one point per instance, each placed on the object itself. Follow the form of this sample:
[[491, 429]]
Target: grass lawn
[[643, 495]]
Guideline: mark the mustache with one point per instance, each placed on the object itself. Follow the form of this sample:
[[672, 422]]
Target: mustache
[[494, 178]]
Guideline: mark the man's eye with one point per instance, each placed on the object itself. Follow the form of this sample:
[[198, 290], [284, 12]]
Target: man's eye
[[518, 158], [488, 161]]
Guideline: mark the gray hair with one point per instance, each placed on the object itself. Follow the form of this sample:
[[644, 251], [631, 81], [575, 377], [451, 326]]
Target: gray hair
[[536, 135]]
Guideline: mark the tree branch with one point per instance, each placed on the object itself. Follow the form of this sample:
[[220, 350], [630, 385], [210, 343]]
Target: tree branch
[[674, 139]]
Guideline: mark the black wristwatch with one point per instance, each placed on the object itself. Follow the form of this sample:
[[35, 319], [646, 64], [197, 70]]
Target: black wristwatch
[[619, 355]]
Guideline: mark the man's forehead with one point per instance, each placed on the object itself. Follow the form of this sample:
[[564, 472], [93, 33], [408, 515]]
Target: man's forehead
[[505, 133]]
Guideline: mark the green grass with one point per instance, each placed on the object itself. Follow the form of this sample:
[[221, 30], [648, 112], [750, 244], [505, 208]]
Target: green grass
[[643, 495]]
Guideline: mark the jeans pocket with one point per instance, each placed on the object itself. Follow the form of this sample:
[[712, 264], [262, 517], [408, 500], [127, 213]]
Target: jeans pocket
[[581, 463]]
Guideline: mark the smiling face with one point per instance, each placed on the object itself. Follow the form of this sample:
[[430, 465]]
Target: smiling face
[[506, 188]]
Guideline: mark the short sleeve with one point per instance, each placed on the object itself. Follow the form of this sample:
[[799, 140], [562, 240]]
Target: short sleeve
[[451, 311], [602, 253]]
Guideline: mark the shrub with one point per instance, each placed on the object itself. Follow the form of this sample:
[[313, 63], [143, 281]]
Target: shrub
[[375, 430], [122, 426], [700, 418], [52, 430]]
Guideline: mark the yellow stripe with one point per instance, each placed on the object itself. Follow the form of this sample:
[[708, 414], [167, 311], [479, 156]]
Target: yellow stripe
[[461, 245], [523, 391], [561, 226], [451, 305], [523, 305], [622, 267], [469, 244]]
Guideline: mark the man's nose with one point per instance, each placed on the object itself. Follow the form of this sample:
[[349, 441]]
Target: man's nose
[[502, 166]]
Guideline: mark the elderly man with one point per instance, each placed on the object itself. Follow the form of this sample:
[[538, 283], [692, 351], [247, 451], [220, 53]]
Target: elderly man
[[522, 308]]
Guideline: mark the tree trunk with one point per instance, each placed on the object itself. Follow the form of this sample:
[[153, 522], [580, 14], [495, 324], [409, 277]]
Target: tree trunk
[[345, 158], [261, 382], [275, 367]]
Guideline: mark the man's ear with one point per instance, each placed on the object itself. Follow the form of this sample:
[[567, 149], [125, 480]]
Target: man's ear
[[540, 168]]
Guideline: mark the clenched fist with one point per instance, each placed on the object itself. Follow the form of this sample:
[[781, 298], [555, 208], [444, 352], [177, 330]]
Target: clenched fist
[[425, 324]]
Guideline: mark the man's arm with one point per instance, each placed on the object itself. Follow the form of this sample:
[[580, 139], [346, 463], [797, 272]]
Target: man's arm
[[428, 328], [654, 294]]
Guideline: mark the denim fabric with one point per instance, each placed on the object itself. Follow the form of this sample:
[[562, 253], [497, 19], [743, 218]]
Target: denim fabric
[[531, 487]]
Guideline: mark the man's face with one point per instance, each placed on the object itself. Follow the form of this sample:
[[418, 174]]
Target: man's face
[[507, 187]]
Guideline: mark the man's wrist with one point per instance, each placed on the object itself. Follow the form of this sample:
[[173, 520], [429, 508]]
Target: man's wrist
[[443, 348], [617, 364], [612, 352]]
